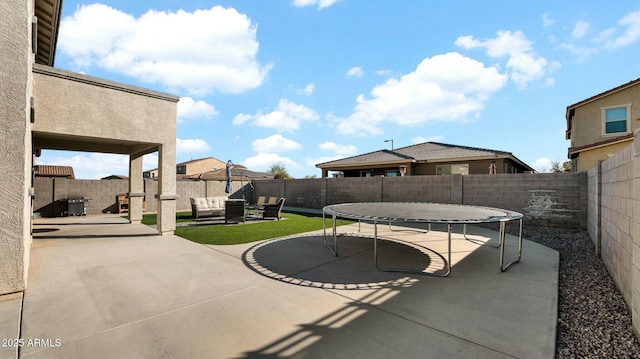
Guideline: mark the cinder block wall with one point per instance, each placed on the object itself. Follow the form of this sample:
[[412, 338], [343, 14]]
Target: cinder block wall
[[594, 188], [616, 207], [436, 189], [545, 199], [549, 199], [614, 221], [359, 189], [51, 194], [305, 192]]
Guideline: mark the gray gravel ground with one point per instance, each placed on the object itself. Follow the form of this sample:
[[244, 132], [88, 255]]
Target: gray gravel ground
[[593, 319]]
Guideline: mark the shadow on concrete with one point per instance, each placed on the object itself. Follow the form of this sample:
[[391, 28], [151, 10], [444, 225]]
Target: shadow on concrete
[[309, 263]]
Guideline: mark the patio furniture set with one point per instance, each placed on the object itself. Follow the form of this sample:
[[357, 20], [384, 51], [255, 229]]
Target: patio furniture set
[[236, 209]]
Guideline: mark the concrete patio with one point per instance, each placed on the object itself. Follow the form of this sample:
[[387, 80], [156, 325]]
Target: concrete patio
[[102, 288]]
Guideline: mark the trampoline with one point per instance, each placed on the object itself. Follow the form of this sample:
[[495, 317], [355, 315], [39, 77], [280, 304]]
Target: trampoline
[[411, 212]]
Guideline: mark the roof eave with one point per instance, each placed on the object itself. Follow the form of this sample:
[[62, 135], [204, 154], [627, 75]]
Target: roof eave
[[329, 166]]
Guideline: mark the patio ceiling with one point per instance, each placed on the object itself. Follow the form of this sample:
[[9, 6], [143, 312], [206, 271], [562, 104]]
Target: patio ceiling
[[53, 141]]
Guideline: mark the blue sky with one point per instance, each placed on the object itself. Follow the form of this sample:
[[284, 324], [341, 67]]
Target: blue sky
[[302, 82]]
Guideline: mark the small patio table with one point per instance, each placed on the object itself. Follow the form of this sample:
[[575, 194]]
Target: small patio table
[[412, 212]]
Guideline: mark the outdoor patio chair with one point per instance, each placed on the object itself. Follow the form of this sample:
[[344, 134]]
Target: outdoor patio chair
[[262, 200], [273, 210]]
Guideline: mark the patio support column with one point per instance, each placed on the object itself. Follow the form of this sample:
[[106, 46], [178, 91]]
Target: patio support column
[[167, 188], [15, 145], [136, 188]]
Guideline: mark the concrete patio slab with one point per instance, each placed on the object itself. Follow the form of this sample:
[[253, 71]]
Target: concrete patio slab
[[104, 290]]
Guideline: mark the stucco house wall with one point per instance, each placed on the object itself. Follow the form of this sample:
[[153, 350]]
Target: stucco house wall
[[97, 108], [587, 127], [586, 130], [16, 58], [476, 167], [589, 158]]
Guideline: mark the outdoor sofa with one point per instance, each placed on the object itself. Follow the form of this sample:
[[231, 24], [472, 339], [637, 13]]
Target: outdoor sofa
[[207, 206]]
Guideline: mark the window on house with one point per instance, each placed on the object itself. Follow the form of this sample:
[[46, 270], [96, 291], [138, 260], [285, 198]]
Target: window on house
[[182, 170], [615, 120], [365, 173], [462, 169], [391, 173]]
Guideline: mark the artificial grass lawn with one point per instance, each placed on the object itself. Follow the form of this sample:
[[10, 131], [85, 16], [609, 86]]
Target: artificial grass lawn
[[291, 223]]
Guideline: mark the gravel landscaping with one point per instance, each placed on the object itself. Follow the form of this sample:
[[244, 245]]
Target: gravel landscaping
[[593, 319]]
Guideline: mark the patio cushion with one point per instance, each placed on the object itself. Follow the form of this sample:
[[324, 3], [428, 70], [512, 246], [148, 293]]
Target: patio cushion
[[200, 203], [212, 202]]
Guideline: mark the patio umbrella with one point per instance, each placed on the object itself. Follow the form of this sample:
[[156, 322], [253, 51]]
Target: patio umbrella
[[228, 188]]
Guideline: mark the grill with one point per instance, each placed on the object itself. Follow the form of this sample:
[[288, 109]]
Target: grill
[[77, 206]]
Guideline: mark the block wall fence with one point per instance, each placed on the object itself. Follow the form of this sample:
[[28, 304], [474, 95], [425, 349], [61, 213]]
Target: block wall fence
[[51, 194], [614, 221], [551, 199]]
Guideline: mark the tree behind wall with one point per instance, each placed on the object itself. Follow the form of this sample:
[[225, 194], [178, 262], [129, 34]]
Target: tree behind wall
[[279, 171]]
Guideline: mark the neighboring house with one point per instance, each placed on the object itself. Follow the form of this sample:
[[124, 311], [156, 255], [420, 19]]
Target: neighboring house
[[42, 107], [110, 177], [602, 125], [49, 171], [191, 167], [429, 158]]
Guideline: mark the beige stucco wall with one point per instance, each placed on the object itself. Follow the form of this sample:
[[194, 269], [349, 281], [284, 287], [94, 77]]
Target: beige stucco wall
[[587, 120], [15, 143], [84, 113], [205, 165], [588, 158], [72, 104]]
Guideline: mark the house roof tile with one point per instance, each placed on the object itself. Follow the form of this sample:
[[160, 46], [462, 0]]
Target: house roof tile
[[54, 171], [423, 152]]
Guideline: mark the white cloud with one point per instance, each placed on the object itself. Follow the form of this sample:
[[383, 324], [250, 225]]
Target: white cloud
[[420, 139], [308, 90], [321, 3], [190, 109], [524, 64], [87, 165], [448, 87], [580, 29], [542, 164], [262, 162], [288, 116], [201, 52], [631, 33], [191, 146], [355, 72], [547, 20], [149, 161], [580, 53], [275, 144], [384, 72], [340, 150]]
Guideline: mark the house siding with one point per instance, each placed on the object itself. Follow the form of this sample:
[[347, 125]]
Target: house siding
[[586, 125]]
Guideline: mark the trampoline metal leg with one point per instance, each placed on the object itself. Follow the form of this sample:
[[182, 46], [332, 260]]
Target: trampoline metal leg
[[502, 244], [334, 249], [417, 271], [464, 233]]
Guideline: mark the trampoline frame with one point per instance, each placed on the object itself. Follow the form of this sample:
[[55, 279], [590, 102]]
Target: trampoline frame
[[353, 211]]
